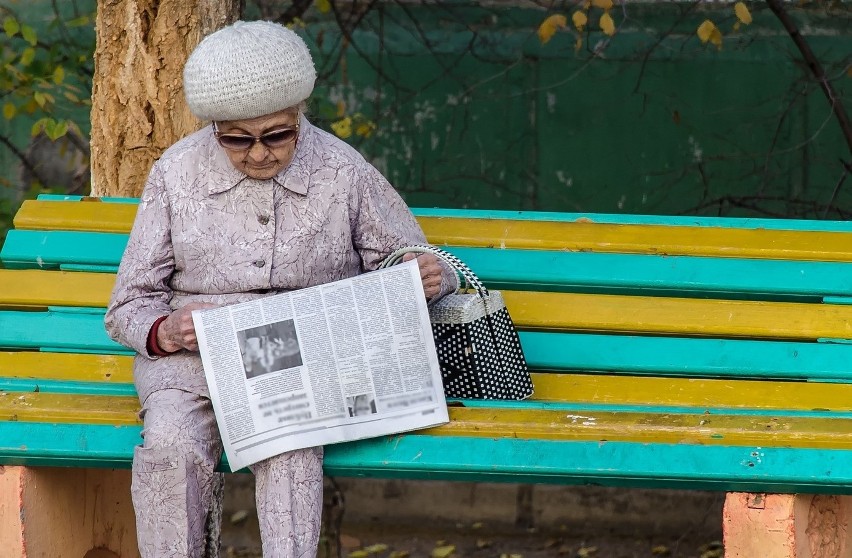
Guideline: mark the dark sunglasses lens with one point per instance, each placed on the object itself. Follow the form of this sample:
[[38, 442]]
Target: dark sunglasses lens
[[278, 138], [236, 142]]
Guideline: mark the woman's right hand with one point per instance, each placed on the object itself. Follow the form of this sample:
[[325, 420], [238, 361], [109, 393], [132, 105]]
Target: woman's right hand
[[178, 331]]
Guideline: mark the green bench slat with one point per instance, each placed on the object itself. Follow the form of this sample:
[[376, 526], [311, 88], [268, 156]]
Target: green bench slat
[[63, 197], [524, 269], [671, 356], [675, 356], [40, 330], [657, 275], [628, 219], [749, 469], [65, 386], [53, 248]]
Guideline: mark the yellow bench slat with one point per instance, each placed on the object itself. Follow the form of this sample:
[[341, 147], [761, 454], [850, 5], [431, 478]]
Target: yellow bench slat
[[567, 388], [678, 316], [93, 216], [67, 366], [695, 393], [669, 428], [663, 428], [65, 408], [535, 310], [507, 233], [33, 287], [640, 239]]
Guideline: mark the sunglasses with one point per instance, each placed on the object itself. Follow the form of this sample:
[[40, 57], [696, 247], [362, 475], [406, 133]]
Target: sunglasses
[[244, 142]]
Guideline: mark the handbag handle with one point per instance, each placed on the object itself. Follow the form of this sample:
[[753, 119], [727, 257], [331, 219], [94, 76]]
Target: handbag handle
[[456, 264]]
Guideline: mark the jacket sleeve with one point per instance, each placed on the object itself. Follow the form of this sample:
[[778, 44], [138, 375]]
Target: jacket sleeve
[[382, 222], [141, 294]]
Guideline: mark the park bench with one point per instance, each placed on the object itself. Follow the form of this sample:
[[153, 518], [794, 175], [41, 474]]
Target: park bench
[[674, 352]]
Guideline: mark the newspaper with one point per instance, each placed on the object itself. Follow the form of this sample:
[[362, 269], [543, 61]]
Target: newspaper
[[342, 361]]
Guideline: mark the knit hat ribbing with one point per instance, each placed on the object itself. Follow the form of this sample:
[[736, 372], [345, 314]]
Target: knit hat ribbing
[[246, 70]]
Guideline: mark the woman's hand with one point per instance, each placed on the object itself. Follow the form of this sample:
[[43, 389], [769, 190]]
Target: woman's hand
[[178, 331], [430, 272]]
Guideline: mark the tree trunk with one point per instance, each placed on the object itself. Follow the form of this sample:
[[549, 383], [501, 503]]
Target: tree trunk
[[138, 108]]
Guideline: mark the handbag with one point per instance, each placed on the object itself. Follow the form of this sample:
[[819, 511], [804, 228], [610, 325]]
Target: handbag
[[478, 347]]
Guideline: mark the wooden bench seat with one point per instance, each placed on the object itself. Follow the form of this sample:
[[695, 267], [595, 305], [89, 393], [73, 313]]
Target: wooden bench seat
[[673, 352]]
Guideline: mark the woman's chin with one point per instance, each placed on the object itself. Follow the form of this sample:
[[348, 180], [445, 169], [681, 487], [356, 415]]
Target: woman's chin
[[261, 172]]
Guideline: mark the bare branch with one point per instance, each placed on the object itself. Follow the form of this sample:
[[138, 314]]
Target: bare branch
[[815, 67], [23, 158]]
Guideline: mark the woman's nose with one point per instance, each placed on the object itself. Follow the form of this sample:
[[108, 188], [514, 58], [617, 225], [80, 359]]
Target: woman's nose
[[257, 152]]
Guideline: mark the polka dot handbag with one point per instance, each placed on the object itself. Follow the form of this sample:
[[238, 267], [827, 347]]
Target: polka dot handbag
[[478, 348]]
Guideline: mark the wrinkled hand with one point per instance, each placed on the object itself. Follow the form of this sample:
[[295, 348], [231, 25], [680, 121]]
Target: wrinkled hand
[[178, 331], [430, 272]]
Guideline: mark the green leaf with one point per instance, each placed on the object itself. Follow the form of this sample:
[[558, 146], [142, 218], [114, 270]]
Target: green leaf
[[58, 75], [81, 21], [40, 98], [11, 26], [29, 35], [40, 125], [9, 111], [59, 130], [27, 56]]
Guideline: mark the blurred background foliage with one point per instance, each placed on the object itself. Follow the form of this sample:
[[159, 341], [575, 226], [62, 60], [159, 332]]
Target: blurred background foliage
[[640, 107]]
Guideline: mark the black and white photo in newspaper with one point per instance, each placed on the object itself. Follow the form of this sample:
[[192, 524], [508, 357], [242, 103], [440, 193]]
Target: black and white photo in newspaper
[[332, 363]]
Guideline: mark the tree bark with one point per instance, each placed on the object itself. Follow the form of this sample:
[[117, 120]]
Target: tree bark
[[138, 107]]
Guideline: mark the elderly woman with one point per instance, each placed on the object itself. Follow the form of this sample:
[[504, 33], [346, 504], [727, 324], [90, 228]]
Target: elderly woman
[[259, 202]]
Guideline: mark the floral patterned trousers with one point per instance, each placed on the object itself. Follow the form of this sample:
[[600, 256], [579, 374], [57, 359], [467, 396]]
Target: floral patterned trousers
[[174, 483]]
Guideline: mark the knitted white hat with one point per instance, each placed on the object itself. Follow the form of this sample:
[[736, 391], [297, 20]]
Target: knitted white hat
[[246, 70]]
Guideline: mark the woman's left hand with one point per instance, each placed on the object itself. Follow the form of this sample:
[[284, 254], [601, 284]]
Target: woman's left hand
[[430, 272]]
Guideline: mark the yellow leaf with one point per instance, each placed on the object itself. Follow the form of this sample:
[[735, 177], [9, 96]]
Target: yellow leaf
[[358, 554], [737, 25], [376, 548], [365, 129], [58, 75], [27, 56], [443, 551], [742, 12], [580, 19], [9, 111], [324, 6], [578, 44], [40, 98], [549, 26], [602, 4], [341, 109], [716, 38], [399, 554], [29, 35], [708, 32], [11, 26], [586, 551], [343, 129], [607, 24]]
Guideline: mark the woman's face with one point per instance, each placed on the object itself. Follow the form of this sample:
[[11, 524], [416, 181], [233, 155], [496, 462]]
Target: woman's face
[[260, 161]]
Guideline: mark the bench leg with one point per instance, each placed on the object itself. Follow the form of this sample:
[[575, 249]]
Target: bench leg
[[65, 512], [787, 526]]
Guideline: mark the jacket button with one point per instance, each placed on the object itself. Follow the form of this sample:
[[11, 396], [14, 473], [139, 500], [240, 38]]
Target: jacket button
[[259, 263], [263, 219]]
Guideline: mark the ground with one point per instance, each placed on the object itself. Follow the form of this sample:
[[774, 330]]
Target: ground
[[478, 541]]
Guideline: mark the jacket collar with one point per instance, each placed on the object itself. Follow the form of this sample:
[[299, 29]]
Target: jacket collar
[[295, 176]]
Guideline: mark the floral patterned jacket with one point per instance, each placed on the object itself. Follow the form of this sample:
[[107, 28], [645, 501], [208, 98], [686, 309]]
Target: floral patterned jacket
[[205, 232]]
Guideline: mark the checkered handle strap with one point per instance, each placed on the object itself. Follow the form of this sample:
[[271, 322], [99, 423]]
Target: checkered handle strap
[[459, 266]]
